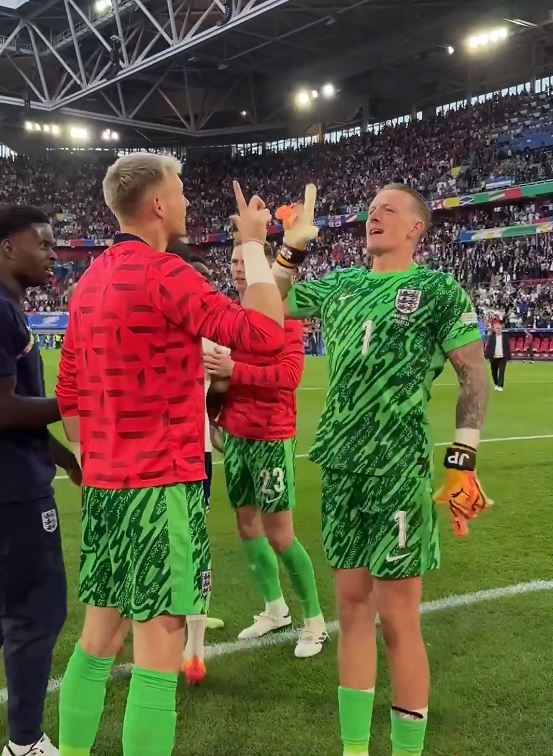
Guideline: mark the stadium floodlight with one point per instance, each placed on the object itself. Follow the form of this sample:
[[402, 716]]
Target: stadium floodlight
[[450, 49], [328, 90], [314, 93], [110, 136], [78, 133], [28, 126], [56, 131], [102, 6], [244, 113], [37, 127], [485, 39], [303, 98]]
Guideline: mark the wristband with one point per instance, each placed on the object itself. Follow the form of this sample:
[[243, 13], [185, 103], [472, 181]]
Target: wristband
[[460, 457], [467, 437], [256, 267], [290, 258]]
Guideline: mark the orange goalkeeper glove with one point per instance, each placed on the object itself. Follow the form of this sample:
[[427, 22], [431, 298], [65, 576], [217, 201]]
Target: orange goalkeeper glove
[[299, 229], [461, 489]]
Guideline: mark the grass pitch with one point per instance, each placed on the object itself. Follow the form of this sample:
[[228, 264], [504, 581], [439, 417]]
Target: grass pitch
[[491, 660]]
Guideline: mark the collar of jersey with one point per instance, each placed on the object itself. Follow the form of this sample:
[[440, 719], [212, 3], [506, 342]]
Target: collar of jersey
[[120, 237], [396, 273]]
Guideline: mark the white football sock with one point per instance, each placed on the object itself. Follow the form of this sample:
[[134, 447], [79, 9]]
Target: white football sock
[[278, 608], [195, 634]]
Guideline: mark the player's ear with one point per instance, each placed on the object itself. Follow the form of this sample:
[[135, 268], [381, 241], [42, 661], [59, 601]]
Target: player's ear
[[8, 249]]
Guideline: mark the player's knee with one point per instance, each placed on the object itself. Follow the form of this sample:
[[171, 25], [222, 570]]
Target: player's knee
[[104, 646], [279, 527], [249, 524], [398, 624], [354, 605], [281, 537]]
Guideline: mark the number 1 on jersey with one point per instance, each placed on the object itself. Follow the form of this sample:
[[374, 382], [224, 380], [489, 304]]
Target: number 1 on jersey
[[367, 331]]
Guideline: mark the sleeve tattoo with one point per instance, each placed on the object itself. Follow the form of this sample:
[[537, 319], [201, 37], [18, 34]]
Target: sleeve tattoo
[[470, 366]]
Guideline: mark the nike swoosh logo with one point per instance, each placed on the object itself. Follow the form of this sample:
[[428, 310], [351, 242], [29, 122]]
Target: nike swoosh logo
[[346, 296], [390, 558]]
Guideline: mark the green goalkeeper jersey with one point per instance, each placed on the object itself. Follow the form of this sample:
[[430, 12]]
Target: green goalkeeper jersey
[[387, 336]]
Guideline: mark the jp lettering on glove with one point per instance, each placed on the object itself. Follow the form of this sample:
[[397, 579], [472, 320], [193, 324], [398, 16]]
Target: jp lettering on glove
[[461, 489], [299, 229]]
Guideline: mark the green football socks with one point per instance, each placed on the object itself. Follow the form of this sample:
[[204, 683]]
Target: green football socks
[[81, 704], [407, 735], [264, 566], [150, 716], [299, 567], [356, 710]]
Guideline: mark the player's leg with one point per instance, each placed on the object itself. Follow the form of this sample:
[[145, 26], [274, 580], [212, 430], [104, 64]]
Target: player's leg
[[168, 578], [493, 365], [273, 471], [83, 688], [193, 665], [32, 613], [501, 373], [346, 546], [404, 545], [261, 558]]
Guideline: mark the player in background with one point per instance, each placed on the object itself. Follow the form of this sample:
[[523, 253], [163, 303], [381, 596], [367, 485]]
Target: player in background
[[388, 332], [259, 420], [131, 396], [193, 665], [32, 574]]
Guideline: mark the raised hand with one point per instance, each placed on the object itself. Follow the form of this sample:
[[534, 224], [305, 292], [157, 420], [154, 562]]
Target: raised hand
[[252, 218]]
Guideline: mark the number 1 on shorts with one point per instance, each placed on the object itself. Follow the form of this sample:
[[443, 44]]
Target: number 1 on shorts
[[400, 518]]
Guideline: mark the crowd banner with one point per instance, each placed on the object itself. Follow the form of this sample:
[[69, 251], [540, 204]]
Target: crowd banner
[[541, 226]]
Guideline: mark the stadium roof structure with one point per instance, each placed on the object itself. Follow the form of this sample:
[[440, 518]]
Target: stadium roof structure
[[219, 71]]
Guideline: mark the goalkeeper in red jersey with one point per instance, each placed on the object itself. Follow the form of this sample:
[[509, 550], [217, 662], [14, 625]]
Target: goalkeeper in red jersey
[[131, 397], [259, 420]]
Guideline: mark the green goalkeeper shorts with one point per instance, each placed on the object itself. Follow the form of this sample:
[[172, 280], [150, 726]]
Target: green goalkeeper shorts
[[387, 525], [145, 551], [260, 473]]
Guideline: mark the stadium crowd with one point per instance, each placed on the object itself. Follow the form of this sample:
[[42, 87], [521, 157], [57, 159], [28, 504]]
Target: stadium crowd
[[451, 153]]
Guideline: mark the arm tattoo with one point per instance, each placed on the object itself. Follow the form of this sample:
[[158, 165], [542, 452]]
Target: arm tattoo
[[470, 366]]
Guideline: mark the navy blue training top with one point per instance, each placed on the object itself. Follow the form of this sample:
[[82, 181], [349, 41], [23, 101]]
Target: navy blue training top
[[26, 464]]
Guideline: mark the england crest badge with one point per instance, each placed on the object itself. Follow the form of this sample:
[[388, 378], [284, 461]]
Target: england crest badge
[[50, 521], [408, 301]]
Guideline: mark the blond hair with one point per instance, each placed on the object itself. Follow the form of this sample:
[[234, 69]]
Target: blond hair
[[127, 180], [421, 205]]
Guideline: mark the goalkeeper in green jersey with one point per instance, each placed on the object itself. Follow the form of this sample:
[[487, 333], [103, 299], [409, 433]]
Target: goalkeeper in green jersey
[[388, 332]]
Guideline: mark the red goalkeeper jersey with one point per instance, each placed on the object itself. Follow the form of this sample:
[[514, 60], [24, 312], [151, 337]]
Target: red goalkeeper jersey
[[261, 400], [131, 365]]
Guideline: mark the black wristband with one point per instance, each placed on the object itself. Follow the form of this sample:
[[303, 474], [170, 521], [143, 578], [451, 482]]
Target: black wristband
[[289, 257], [460, 457]]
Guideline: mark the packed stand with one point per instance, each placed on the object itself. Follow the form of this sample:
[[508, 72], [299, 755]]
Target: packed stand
[[447, 154]]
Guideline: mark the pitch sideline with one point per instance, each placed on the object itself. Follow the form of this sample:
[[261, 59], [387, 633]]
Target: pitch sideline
[[440, 444], [226, 648]]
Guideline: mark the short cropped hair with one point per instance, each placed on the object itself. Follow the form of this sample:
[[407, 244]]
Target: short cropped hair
[[423, 208], [16, 218], [131, 176]]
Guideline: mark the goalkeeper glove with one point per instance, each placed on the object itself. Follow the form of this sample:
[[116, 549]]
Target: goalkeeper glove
[[299, 229], [461, 489]]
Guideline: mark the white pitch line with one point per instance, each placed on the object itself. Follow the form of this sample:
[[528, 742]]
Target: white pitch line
[[441, 443], [227, 648]]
